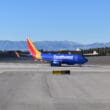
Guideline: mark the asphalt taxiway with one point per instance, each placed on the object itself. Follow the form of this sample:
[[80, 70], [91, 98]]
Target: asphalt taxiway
[[25, 86]]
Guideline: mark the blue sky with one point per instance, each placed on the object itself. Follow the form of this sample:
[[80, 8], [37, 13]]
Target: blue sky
[[83, 21]]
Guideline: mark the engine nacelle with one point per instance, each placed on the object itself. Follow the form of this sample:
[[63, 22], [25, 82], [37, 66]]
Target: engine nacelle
[[55, 63]]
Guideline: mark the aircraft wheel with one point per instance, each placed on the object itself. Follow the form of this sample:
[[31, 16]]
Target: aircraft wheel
[[59, 64], [52, 64]]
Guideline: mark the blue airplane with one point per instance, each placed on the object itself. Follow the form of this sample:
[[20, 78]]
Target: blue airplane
[[55, 59]]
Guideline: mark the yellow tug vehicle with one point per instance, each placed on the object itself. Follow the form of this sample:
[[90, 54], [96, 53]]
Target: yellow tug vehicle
[[63, 72]]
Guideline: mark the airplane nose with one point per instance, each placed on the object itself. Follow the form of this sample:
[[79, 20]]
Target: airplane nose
[[82, 59], [86, 60]]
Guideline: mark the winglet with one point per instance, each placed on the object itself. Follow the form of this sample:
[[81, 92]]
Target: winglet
[[35, 52]]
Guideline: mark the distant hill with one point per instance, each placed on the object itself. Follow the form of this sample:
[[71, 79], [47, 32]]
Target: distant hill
[[13, 45], [49, 45]]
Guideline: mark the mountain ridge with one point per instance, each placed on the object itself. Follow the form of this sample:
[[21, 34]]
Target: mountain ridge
[[49, 45]]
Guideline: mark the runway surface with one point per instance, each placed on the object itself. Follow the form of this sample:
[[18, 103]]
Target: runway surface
[[25, 86]]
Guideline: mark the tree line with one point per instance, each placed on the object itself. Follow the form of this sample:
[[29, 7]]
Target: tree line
[[105, 51]]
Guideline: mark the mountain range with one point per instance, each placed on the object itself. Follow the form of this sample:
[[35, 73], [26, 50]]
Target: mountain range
[[49, 45]]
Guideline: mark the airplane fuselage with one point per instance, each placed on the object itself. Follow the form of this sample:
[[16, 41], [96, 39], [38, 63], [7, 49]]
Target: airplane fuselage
[[58, 59]]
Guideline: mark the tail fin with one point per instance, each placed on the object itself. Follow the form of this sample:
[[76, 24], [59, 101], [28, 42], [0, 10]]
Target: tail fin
[[35, 52]]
